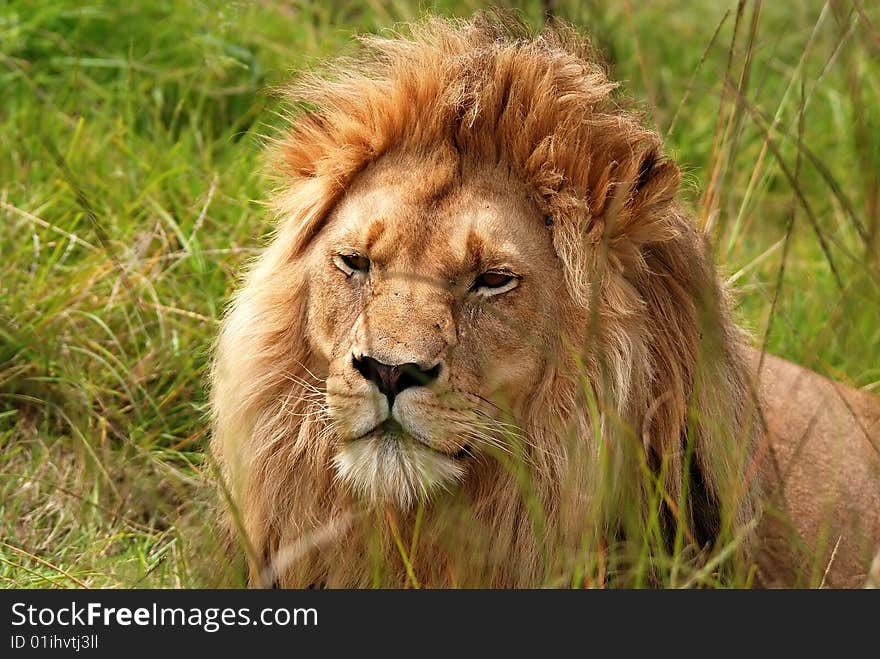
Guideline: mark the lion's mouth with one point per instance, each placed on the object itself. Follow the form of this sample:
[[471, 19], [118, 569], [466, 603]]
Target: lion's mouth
[[391, 430], [389, 463], [391, 427]]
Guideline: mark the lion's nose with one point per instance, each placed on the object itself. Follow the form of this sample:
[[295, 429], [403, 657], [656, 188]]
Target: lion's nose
[[392, 379]]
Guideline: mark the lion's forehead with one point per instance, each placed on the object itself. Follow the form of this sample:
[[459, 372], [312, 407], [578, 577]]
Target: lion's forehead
[[460, 226]]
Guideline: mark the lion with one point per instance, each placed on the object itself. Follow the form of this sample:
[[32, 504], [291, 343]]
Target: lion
[[487, 346]]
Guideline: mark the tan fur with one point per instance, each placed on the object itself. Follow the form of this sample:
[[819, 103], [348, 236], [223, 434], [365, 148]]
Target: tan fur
[[462, 147], [821, 467]]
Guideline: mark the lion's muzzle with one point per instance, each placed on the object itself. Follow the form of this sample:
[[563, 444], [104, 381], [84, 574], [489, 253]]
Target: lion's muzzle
[[392, 379]]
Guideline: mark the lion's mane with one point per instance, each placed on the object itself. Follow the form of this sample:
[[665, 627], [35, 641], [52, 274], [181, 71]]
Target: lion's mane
[[660, 391]]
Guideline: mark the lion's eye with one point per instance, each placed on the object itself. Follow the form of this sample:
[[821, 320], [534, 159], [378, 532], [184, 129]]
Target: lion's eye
[[352, 263], [494, 283]]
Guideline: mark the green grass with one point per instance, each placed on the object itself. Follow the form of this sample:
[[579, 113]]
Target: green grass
[[131, 196]]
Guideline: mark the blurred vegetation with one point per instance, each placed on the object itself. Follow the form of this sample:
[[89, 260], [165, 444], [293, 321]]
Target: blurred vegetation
[[131, 196]]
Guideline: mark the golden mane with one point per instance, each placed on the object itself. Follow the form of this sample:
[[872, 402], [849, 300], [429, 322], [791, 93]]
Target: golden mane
[[664, 373]]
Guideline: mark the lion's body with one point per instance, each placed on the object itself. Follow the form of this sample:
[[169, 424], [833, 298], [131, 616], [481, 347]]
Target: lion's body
[[821, 522], [485, 324]]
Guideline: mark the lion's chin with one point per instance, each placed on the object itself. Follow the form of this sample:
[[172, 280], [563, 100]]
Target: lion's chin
[[388, 468]]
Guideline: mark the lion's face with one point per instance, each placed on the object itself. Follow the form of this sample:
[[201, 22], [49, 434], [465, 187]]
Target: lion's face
[[433, 299], [416, 320]]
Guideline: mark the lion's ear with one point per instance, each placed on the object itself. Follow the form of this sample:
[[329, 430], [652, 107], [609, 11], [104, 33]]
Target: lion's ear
[[656, 179], [648, 187], [646, 168]]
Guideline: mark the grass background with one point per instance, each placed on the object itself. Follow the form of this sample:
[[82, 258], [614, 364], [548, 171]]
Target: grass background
[[131, 195]]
